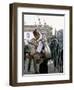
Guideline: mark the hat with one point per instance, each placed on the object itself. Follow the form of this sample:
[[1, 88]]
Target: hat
[[35, 32]]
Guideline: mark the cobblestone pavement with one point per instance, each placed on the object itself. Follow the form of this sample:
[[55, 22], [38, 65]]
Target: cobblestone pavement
[[50, 67]]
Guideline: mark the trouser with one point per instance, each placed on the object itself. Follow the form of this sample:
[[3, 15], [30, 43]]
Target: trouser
[[35, 65]]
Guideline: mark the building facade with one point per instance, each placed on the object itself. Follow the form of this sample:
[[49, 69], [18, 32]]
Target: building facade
[[43, 29]]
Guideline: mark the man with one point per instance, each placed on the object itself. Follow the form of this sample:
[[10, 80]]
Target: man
[[54, 46], [36, 47]]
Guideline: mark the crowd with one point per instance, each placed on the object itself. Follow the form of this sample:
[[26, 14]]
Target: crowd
[[40, 51]]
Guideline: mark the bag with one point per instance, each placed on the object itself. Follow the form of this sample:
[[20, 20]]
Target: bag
[[47, 50]]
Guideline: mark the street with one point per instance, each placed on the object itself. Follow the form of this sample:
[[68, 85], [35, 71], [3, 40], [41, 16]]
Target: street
[[32, 71]]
